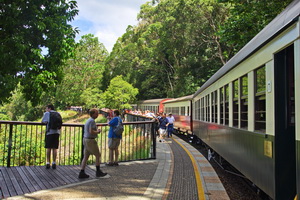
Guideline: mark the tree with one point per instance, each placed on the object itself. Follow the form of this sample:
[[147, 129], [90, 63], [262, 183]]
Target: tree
[[246, 19], [35, 41], [179, 44], [173, 50], [20, 109], [84, 72], [92, 98], [119, 94]]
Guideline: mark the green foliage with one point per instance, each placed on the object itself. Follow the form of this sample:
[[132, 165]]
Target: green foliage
[[101, 119], [246, 19], [3, 114], [180, 44], [83, 74], [173, 50], [68, 114], [92, 98], [35, 40], [119, 94], [20, 109]]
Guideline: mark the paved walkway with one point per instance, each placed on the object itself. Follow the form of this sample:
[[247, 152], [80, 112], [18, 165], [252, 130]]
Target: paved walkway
[[163, 178]]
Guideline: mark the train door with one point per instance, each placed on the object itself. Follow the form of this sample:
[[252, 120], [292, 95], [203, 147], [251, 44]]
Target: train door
[[285, 156]]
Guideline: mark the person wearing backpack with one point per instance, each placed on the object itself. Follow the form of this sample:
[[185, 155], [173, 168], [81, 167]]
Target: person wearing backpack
[[114, 138], [53, 121]]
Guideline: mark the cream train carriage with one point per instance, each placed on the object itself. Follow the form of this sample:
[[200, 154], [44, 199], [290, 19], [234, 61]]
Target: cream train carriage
[[248, 112], [181, 109]]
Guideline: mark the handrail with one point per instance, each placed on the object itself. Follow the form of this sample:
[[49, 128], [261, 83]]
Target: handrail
[[65, 124], [22, 143]]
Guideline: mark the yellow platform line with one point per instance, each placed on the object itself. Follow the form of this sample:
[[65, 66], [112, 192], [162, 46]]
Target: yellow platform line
[[197, 173]]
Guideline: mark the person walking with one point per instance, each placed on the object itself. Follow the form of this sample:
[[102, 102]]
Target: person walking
[[90, 145], [163, 124], [171, 121], [53, 122], [114, 140]]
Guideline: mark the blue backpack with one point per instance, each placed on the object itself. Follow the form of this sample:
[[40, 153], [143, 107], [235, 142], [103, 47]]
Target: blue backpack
[[118, 130]]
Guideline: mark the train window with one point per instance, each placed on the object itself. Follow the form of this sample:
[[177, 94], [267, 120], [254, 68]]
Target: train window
[[235, 103], [226, 95], [222, 105], [212, 106], [197, 115], [182, 110], [196, 109], [167, 109], [199, 109], [216, 106], [202, 109], [175, 111], [244, 101], [207, 109], [260, 99]]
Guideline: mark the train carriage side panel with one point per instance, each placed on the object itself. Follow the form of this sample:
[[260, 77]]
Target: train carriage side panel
[[251, 151], [150, 104], [181, 110]]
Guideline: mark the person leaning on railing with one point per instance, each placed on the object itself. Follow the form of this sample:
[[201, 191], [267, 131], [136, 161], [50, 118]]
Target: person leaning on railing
[[114, 140]]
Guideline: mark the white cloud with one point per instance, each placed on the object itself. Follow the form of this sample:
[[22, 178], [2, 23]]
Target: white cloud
[[106, 19]]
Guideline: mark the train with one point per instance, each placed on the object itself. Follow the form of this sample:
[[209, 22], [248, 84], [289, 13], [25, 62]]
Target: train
[[181, 109], [248, 112], [154, 105]]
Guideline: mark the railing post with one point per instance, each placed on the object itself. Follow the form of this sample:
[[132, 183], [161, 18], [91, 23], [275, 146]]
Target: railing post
[[82, 147], [9, 144], [153, 133]]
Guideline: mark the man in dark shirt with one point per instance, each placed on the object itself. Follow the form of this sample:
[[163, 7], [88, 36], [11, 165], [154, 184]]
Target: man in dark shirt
[[163, 124]]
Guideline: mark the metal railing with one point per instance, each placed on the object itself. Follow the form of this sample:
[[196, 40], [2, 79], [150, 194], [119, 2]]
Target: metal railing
[[22, 143], [134, 118]]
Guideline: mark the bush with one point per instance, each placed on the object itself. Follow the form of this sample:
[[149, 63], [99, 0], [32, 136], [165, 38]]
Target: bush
[[4, 117], [68, 114]]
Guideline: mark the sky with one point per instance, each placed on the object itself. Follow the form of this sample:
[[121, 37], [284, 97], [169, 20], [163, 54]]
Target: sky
[[106, 19]]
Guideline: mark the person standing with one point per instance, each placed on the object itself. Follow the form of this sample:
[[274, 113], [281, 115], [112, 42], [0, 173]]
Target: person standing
[[53, 121], [90, 144], [171, 120], [114, 140], [163, 123]]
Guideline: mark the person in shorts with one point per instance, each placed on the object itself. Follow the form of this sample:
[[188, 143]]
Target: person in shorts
[[90, 145], [51, 138], [163, 124], [114, 140]]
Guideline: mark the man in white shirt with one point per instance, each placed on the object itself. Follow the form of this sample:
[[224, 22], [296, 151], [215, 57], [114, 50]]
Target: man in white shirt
[[171, 120]]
